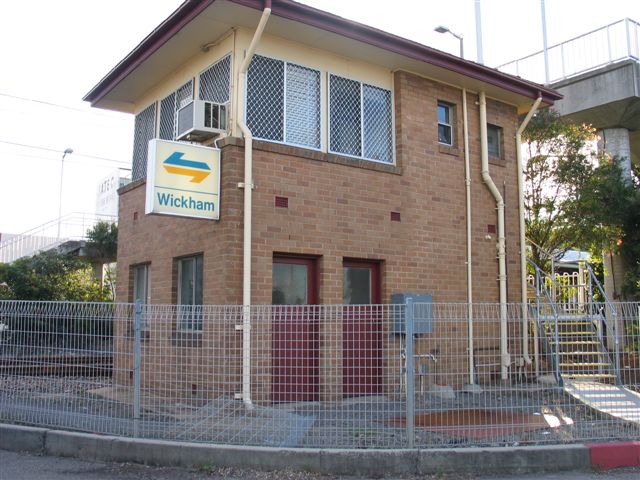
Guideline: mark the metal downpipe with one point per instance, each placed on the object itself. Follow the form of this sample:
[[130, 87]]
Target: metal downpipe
[[467, 182], [505, 358], [523, 250], [248, 199]]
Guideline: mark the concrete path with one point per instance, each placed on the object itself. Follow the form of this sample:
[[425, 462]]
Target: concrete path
[[24, 466], [616, 401]]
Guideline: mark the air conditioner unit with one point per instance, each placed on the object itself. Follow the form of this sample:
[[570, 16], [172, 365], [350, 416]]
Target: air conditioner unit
[[201, 120]]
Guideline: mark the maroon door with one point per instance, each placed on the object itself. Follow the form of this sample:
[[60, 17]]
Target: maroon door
[[295, 334], [362, 329]]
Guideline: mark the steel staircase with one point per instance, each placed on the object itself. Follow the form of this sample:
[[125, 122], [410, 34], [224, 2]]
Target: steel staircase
[[572, 326]]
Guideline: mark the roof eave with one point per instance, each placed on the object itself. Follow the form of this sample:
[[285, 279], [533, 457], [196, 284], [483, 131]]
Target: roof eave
[[393, 43], [307, 15], [184, 14]]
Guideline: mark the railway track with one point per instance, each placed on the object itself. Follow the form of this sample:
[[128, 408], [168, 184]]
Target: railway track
[[58, 365]]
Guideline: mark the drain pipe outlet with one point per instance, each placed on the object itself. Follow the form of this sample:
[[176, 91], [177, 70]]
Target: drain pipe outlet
[[523, 250], [505, 358], [248, 198]]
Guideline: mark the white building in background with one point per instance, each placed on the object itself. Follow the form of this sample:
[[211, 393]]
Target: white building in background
[[107, 194]]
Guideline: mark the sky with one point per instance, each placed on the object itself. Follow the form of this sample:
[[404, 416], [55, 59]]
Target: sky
[[53, 52]]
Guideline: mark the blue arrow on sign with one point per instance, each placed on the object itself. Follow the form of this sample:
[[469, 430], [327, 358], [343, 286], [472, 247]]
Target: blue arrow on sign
[[174, 163]]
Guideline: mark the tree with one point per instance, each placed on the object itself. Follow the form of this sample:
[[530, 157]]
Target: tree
[[558, 164], [103, 246], [103, 240], [577, 198], [51, 275]]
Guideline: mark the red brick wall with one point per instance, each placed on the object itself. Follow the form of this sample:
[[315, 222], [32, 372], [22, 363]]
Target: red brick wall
[[340, 208]]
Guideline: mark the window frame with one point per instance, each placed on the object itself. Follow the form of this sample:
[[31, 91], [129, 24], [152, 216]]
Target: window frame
[[137, 268], [321, 109], [499, 139], [451, 125], [190, 319], [362, 134], [146, 267]]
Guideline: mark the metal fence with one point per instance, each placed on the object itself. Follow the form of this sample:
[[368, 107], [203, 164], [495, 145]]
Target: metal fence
[[603, 46], [371, 376]]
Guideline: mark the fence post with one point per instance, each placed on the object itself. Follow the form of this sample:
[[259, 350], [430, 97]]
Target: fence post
[[410, 413], [137, 325]]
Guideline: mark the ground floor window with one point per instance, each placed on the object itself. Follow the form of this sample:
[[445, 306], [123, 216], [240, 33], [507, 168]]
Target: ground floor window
[[190, 293]]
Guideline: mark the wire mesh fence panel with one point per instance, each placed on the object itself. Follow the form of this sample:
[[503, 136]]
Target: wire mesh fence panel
[[57, 361], [476, 381], [320, 376]]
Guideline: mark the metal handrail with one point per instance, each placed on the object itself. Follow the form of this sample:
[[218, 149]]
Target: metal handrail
[[629, 50], [613, 324], [541, 287], [46, 236]]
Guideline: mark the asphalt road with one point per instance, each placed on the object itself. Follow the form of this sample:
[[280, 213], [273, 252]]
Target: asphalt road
[[23, 466]]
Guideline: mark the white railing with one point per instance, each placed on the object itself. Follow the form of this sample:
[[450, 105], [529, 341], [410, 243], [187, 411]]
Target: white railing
[[606, 45], [73, 226]]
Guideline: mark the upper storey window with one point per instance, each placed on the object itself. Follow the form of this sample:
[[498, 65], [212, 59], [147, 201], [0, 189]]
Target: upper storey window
[[283, 102], [144, 130], [215, 81], [169, 107], [445, 124], [360, 120]]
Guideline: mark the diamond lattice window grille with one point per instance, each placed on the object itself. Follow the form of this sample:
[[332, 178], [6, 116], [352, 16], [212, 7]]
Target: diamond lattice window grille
[[360, 120], [144, 130], [167, 117], [215, 81], [377, 124], [283, 102], [345, 116]]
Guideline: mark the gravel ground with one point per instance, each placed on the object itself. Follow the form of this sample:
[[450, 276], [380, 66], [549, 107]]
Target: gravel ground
[[365, 422]]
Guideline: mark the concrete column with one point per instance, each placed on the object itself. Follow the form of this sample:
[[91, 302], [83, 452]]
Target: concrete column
[[615, 141]]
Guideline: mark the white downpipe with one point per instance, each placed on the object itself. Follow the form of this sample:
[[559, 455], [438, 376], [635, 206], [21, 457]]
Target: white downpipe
[[467, 182], [505, 358], [248, 191], [523, 250]]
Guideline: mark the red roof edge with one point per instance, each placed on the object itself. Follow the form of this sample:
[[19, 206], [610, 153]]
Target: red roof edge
[[387, 41], [329, 22]]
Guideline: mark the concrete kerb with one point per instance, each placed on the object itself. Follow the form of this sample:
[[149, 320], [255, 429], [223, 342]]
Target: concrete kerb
[[373, 463]]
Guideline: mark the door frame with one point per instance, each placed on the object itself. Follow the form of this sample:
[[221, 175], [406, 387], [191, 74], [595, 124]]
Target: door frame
[[371, 363], [286, 361]]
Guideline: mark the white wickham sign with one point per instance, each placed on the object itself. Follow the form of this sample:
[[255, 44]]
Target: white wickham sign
[[183, 180]]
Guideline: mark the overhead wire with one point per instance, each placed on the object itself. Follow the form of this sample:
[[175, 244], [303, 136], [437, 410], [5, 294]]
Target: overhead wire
[[48, 149]]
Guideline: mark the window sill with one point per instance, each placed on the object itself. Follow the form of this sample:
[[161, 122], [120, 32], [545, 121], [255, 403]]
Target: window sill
[[315, 155], [448, 150], [500, 162]]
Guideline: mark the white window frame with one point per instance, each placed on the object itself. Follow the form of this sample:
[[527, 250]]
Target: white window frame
[[498, 130], [142, 267], [321, 109], [449, 125], [392, 126], [187, 312]]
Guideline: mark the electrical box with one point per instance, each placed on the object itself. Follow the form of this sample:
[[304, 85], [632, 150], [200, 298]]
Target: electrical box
[[422, 312]]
